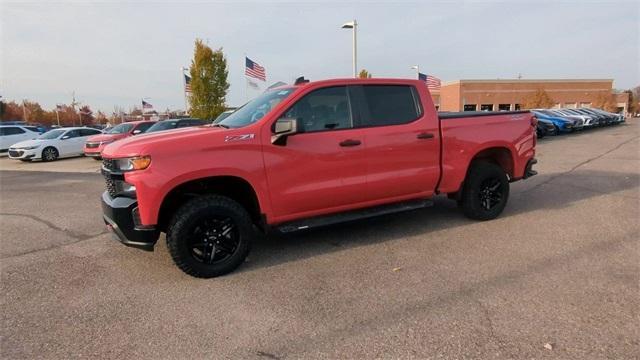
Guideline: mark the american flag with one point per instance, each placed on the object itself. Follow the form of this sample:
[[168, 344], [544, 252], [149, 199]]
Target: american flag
[[187, 83], [254, 70], [146, 105], [59, 108], [433, 83]]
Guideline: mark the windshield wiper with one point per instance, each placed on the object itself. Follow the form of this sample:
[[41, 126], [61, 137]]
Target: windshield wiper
[[220, 125]]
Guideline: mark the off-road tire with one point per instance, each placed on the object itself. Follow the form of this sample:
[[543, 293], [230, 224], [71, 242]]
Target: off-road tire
[[186, 218], [479, 173]]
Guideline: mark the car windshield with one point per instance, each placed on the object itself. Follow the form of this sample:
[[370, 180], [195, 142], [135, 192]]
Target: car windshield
[[162, 125], [52, 134], [222, 116], [256, 109], [545, 112], [120, 129]]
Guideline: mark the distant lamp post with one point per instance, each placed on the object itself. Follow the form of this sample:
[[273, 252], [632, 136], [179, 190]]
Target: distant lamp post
[[353, 25], [417, 69]]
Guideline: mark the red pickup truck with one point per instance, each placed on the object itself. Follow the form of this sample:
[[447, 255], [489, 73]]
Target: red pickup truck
[[306, 155]]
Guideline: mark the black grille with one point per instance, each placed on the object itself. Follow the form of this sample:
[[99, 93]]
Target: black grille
[[107, 164], [15, 153], [92, 145]]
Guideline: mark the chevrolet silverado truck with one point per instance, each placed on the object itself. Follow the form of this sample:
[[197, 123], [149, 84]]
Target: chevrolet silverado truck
[[305, 155]]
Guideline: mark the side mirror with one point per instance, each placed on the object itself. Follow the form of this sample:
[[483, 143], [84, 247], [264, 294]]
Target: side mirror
[[64, 137], [284, 128], [136, 132]]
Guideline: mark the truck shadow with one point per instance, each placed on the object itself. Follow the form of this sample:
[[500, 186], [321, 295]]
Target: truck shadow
[[549, 192]]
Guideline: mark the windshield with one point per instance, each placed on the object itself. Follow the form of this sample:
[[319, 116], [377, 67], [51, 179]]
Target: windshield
[[52, 134], [256, 109], [222, 116], [120, 129], [162, 125], [545, 112]]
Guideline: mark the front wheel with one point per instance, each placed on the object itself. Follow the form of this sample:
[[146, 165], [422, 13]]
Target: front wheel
[[49, 154], [485, 191], [210, 236]]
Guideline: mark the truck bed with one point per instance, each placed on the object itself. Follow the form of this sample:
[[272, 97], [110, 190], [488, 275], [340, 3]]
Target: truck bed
[[464, 133]]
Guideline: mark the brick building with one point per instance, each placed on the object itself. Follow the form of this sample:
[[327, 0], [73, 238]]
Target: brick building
[[509, 94]]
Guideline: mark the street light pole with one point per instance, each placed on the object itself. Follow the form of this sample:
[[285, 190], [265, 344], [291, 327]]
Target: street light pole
[[353, 25], [417, 69]]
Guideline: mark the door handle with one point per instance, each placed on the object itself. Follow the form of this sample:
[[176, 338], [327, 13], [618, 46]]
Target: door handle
[[425, 136], [350, 142]]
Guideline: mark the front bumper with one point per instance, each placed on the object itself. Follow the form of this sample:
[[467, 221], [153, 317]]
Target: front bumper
[[21, 154], [120, 214]]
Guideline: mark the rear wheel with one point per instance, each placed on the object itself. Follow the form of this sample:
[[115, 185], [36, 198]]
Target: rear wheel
[[485, 191], [49, 154], [210, 236]]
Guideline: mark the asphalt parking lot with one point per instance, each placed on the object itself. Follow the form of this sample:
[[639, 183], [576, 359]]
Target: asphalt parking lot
[[556, 276]]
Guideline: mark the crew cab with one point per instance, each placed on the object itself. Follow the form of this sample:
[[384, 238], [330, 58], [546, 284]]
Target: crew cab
[[95, 144], [306, 155]]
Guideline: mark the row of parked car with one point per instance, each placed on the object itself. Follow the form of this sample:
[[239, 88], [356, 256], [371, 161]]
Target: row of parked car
[[27, 143], [560, 121]]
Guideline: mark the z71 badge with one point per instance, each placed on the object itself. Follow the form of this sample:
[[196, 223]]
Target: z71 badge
[[239, 137]]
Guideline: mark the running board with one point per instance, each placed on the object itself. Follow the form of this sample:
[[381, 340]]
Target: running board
[[325, 220]]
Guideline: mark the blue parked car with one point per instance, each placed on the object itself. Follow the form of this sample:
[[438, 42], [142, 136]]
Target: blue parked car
[[562, 124]]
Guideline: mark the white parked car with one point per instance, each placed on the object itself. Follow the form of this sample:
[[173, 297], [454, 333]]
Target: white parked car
[[11, 134], [54, 144]]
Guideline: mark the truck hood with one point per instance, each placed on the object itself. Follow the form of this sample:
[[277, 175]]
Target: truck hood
[[148, 144], [106, 137]]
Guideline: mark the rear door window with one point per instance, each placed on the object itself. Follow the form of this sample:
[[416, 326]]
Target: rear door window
[[389, 105], [11, 131]]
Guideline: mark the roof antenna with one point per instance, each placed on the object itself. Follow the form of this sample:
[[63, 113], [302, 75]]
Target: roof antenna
[[300, 80]]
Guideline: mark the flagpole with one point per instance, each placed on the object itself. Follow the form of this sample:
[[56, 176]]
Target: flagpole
[[57, 116], [184, 89], [246, 80]]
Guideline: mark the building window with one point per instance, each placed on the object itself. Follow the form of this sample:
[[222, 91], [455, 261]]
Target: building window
[[556, 106], [517, 107], [585, 105], [504, 107], [570, 105], [470, 107], [486, 107]]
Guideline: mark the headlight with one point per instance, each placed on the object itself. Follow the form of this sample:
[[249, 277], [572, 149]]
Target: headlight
[[132, 163], [30, 147], [106, 142]]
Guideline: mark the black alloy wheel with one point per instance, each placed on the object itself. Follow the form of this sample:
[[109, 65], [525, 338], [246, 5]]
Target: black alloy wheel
[[214, 240], [490, 193]]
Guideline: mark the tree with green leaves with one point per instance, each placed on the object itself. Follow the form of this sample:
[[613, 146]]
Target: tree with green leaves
[[208, 82], [364, 74]]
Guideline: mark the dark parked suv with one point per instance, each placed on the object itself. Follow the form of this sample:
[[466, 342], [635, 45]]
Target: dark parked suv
[[174, 124]]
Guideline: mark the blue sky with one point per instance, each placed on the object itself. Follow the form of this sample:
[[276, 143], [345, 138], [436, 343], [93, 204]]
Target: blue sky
[[117, 53]]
